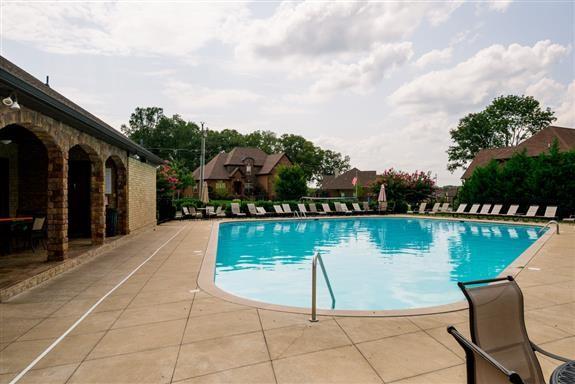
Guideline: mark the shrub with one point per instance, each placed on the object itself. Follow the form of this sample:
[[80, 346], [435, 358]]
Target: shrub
[[403, 187]]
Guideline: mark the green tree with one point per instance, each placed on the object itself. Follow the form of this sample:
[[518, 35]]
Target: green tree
[[291, 183], [507, 121], [178, 140]]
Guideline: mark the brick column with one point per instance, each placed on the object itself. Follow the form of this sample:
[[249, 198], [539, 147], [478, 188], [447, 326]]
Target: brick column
[[57, 211], [98, 207]]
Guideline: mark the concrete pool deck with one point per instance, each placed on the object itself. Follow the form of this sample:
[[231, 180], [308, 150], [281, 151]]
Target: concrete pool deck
[[158, 328]]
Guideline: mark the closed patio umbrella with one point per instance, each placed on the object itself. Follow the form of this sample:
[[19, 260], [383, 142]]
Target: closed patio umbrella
[[382, 198], [205, 197]]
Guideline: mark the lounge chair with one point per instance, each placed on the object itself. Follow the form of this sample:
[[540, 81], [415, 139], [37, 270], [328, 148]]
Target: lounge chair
[[339, 208], [512, 211], [500, 351], [190, 212], [185, 213], [366, 207], [444, 208], [279, 211], [357, 208], [313, 209], [421, 210], [287, 209], [262, 211], [253, 210], [301, 209], [210, 212], [179, 215], [236, 210], [496, 209], [195, 214], [326, 208], [550, 212], [485, 209], [460, 209], [435, 208], [345, 208], [220, 212], [531, 212], [474, 209]]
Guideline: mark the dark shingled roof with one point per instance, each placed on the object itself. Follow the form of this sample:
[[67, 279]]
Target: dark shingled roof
[[216, 167], [344, 180], [34, 93], [535, 145]]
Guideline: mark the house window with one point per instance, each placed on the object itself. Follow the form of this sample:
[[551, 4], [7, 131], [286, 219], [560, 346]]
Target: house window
[[248, 169], [220, 185]]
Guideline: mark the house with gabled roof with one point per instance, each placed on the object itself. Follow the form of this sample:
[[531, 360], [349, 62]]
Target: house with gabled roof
[[343, 185], [243, 172], [533, 146]]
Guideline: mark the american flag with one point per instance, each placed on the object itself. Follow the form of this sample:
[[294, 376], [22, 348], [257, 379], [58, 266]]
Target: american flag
[[354, 181]]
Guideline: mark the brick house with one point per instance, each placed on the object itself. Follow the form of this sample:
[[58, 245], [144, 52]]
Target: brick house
[[244, 171], [61, 162], [342, 186], [534, 146]]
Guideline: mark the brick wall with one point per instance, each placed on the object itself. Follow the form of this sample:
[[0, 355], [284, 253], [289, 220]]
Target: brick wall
[[141, 194]]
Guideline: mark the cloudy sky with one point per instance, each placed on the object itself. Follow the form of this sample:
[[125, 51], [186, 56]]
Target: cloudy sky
[[381, 81]]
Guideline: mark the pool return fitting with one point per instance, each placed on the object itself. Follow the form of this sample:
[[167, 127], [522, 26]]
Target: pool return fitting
[[317, 259]]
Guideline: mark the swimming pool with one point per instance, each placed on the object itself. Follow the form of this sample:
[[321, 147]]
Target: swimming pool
[[373, 263]]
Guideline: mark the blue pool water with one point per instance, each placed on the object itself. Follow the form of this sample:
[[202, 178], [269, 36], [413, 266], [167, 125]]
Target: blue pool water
[[372, 263]]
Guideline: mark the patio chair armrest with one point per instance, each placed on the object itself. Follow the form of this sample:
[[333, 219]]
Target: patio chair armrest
[[551, 355]]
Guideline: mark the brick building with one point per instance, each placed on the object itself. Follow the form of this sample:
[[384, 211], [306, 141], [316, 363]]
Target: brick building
[[342, 185], [60, 162], [243, 171]]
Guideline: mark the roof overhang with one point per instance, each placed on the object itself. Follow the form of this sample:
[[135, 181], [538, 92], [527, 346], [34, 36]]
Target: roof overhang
[[33, 98]]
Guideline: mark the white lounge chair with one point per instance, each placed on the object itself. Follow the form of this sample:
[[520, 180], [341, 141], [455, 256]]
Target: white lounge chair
[[496, 209], [210, 212], [461, 209], [326, 208], [220, 212], [262, 211], [435, 208], [279, 211], [345, 209], [512, 211], [474, 209], [485, 209], [236, 211], [287, 209], [532, 211], [421, 209], [550, 212], [313, 209], [357, 208], [301, 209]]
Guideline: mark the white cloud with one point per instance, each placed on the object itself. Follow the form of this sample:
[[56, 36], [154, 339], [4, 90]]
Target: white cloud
[[436, 56], [313, 29], [364, 74], [118, 28], [190, 97], [547, 91], [499, 5], [565, 112], [492, 71]]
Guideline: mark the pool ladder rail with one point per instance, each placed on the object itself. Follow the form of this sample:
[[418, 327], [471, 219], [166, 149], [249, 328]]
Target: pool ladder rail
[[548, 224], [300, 215], [315, 261]]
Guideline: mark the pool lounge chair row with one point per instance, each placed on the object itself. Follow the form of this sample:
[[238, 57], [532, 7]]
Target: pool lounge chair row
[[192, 213], [437, 208], [495, 210], [302, 210]]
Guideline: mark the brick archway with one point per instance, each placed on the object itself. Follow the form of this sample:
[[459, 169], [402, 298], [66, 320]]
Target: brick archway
[[56, 186], [121, 193], [96, 194]]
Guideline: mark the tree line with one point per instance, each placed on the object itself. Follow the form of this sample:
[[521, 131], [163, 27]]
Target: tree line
[[179, 141]]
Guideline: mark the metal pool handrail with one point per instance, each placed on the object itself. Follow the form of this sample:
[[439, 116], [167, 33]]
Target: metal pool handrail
[[317, 259], [549, 223]]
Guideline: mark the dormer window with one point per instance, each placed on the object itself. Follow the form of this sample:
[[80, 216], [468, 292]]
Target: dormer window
[[249, 162], [248, 169]]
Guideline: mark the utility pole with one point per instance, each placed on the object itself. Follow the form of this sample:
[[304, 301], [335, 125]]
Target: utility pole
[[202, 161]]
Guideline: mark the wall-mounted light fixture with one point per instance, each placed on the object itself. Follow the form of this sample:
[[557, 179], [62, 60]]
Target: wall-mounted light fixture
[[11, 102], [6, 142]]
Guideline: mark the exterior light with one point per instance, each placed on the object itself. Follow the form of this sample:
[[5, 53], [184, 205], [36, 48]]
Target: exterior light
[[10, 102], [6, 142]]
